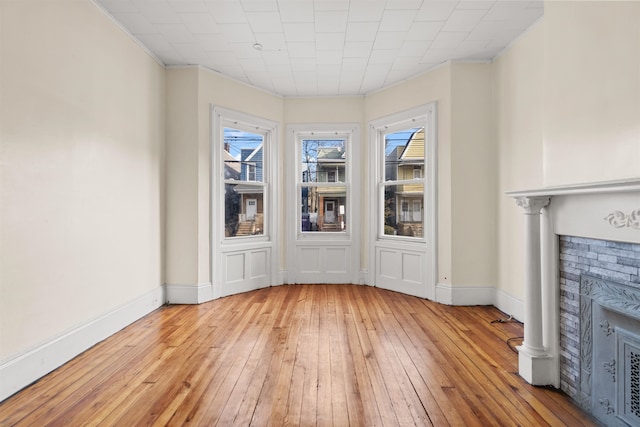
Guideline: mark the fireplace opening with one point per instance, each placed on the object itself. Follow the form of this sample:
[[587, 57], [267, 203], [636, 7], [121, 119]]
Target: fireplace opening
[[600, 327]]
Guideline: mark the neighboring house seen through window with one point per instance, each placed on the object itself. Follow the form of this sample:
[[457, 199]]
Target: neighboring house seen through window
[[403, 182], [243, 156]]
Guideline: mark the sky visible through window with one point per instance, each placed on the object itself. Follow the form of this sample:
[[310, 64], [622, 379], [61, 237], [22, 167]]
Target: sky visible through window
[[395, 139], [239, 139]]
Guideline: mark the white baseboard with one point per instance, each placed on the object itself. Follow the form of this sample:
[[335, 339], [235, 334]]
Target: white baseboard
[[22, 370], [480, 295], [189, 294], [509, 304], [364, 277], [465, 295]]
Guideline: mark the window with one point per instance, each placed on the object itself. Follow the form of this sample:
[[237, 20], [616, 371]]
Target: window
[[403, 151], [244, 187], [417, 172], [323, 184]]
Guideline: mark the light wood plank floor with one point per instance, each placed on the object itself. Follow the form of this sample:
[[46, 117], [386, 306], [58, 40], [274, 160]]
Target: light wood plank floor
[[299, 355]]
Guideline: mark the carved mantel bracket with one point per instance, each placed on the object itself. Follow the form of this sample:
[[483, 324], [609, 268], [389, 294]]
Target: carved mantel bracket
[[532, 205]]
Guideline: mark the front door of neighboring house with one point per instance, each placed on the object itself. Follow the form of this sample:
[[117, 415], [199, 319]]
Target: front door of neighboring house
[[252, 209], [417, 211], [329, 212]]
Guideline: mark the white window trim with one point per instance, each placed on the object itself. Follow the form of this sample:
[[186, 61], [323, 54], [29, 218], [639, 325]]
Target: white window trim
[[349, 132], [227, 118], [428, 114], [220, 117]]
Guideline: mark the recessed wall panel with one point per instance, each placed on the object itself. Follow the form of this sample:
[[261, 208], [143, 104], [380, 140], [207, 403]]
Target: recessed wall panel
[[234, 267], [411, 268], [388, 264], [258, 266], [309, 260], [337, 259]]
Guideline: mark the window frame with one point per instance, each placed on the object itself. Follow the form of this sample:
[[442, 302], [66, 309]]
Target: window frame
[[424, 116], [325, 132], [223, 118]]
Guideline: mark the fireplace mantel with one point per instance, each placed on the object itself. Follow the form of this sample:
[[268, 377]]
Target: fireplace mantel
[[603, 210]]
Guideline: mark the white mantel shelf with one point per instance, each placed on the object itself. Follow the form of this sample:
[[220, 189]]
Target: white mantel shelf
[[603, 210], [622, 186]]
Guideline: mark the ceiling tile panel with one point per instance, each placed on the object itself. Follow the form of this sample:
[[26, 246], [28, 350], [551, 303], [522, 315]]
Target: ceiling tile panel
[[193, 53], [136, 23], [366, 11], [330, 22], [157, 12], [357, 49], [213, 41], [301, 49], [329, 71], [303, 64], [404, 4], [188, 6], [299, 32], [437, 56], [226, 12], [396, 20], [332, 57], [330, 41], [334, 5], [356, 66], [463, 20], [448, 40], [273, 57], [475, 4], [424, 30], [271, 41], [199, 23], [362, 31], [223, 59], [379, 57], [265, 22], [245, 50], [435, 11], [237, 33], [413, 48], [260, 5], [176, 33], [296, 11], [389, 40]]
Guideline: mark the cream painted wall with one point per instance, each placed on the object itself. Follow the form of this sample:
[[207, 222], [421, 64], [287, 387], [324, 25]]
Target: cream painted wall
[[473, 176], [518, 95], [592, 91], [214, 89], [429, 87], [467, 175], [181, 228], [82, 149], [191, 91]]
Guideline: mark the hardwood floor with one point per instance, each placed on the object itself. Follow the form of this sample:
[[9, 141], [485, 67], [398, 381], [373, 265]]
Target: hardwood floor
[[299, 355]]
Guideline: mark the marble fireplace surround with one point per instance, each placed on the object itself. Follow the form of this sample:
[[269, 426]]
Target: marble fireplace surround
[[605, 211]]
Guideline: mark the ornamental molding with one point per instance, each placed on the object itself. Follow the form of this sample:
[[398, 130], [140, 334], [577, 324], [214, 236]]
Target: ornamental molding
[[532, 205], [615, 296], [619, 219]]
